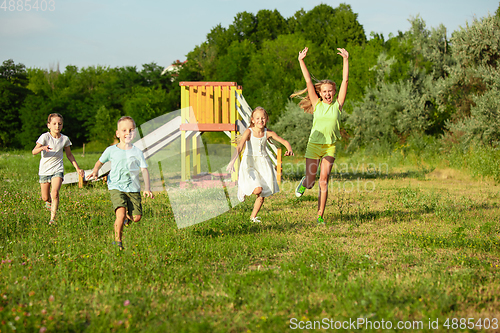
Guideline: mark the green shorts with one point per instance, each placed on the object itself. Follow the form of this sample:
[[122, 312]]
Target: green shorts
[[317, 151], [130, 200]]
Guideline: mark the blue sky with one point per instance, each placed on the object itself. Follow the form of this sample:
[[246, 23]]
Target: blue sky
[[131, 33]]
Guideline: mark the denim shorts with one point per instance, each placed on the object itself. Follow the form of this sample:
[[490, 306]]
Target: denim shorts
[[48, 179]]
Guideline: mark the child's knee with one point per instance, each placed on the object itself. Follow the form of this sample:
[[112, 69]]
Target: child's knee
[[323, 184], [137, 218], [257, 191]]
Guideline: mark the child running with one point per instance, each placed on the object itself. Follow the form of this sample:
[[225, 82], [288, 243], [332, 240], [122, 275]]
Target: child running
[[123, 179], [51, 171], [257, 175], [325, 130]]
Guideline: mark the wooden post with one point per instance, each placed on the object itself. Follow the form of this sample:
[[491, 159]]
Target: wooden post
[[278, 166], [83, 154]]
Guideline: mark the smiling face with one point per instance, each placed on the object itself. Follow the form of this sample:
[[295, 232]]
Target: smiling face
[[55, 126], [327, 92], [126, 131], [259, 118]]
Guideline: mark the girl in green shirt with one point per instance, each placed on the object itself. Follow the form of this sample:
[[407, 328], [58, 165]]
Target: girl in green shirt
[[320, 151]]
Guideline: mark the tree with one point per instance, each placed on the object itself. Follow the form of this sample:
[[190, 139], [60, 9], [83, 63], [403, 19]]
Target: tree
[[294, 125], [274, 74], [145, 103], [475, 78], [13, 91], [233, 65]]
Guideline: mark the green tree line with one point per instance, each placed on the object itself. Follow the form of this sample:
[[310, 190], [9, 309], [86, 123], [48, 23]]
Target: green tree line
[[417, 83]]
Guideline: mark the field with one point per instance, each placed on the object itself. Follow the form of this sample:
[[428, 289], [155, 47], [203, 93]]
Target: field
[[407, 247]]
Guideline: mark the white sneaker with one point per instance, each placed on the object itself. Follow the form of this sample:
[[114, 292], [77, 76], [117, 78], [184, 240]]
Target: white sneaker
[[255, 219]]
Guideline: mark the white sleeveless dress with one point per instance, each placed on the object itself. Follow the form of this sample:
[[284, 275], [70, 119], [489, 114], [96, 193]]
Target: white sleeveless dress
[[256, 169]]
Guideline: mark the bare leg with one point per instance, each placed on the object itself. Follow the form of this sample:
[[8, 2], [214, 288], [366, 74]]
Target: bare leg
[[54, 196], [120, 212], [259, 201], [326, 168], [311, 169], [256, 206], [45, 187]]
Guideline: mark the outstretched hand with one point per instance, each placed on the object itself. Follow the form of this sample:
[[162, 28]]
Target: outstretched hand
[[91, 176], [289, 153], [343, 53], [303, 53], [230, 167]]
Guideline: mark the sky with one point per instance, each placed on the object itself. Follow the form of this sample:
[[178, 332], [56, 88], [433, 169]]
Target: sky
[[132, 33]]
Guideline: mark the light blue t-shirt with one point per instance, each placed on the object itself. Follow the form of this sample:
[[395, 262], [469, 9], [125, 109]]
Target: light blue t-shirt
[[125, 168]]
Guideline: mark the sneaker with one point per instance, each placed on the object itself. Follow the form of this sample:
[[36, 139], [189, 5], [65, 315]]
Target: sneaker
[[120, 245], [255, 219], [52, 222], [300, 188], [321, 220], [126, 222], [48, 205]]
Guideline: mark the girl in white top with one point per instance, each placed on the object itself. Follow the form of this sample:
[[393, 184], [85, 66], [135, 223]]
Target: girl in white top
[[257, 175], [51, 172]]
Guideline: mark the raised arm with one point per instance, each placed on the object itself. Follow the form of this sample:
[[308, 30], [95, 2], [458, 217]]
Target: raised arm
[[239, 148], [274, 136], [311, 91], [345, 77]]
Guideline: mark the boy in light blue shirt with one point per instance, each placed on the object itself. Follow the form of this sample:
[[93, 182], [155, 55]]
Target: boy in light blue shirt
[[123, 180]]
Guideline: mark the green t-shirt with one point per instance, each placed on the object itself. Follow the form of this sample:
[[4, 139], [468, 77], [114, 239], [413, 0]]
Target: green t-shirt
[[326, 123]]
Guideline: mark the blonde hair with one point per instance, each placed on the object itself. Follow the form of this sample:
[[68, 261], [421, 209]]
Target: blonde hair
[[305, 102], [259, 108], [54, 115], [237, 138], [125, 118]]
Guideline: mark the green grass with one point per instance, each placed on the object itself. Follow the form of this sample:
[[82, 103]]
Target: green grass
[[403, 242]]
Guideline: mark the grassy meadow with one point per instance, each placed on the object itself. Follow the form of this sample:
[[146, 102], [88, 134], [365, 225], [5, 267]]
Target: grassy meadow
[[407, 242]]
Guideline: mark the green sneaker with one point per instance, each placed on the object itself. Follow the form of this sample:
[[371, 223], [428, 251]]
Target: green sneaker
[[300, 188], [321, 220]]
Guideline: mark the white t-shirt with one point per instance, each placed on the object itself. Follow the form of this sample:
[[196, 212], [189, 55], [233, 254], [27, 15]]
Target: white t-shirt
[[52, 161]]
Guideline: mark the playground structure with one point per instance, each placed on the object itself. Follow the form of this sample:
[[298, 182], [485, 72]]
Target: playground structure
[[205, 107]]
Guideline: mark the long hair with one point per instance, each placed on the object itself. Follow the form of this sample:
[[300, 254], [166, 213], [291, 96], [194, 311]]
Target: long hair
[[305, 102]]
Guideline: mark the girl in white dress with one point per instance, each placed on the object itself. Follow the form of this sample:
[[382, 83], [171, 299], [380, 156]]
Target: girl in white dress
[[257, 175]]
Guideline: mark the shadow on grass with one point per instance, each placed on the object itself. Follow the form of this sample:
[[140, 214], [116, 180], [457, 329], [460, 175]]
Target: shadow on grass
[[415, 174]]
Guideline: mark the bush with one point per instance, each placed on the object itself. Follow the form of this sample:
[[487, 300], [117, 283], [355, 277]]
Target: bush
[[294, 126]]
